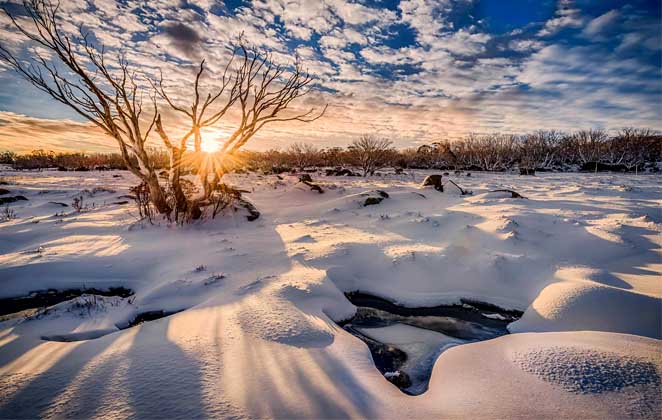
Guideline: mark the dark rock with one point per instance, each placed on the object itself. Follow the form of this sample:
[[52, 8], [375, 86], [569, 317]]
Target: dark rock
[[4, 191], [117, 176], [468, 173], [434, 181], [383, 194], [398, 378], [315, 187], [62, 169], [340, 172], [513, 194], [121, 203], [278, 170], [58, 203], [372, 201], [527, 171], [82, 169], [306, 179], [253, 214]]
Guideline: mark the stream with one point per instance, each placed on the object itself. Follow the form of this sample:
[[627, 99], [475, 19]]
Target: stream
[[406, 342]]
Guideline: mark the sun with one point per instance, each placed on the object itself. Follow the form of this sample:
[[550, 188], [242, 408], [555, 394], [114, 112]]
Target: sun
[[210, 146]]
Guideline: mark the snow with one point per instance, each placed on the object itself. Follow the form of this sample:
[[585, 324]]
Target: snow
[[584, 305], [255, 334], [552, 375]]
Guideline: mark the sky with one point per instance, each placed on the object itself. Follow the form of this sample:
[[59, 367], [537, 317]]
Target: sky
[[414, 71]]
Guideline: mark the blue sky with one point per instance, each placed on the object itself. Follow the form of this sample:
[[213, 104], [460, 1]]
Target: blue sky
[[415, 70]]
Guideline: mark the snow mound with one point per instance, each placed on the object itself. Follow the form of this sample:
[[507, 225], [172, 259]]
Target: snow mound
[[551, 375], [584, 305], [587, 371], [280, 321]]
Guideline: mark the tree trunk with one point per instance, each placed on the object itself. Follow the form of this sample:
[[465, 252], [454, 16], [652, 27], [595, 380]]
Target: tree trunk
[[156, 194], [181, 204]]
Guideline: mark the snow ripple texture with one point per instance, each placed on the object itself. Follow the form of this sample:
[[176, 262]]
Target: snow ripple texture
[[279, 321], [587, 371]]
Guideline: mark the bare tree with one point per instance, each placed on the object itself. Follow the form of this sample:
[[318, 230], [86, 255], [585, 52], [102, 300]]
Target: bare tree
[[104, 93], [199, 119], [589, 146], [637, 146], [263, 89], [303, 154], [370, 153], [539, 149]]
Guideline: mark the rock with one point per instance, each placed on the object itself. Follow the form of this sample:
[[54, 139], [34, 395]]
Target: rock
[[527, 171], [58, 203], [374, 197], [513, 194], [339, 172], [434, 181], [4, 191], [468, 173], [398, 378], [253, 214], [306, 179], [372, 201]]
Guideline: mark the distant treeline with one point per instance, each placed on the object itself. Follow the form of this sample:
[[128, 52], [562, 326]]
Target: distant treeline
[[628, 150], [74, 161]]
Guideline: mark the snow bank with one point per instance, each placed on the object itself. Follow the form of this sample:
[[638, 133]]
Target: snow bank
[[583, 305], [551, 375]]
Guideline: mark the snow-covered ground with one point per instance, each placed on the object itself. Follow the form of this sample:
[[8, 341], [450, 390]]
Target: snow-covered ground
[[255, 335]]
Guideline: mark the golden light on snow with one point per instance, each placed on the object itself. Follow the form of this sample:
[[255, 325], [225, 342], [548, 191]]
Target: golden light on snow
[[41, 358], [68, 246]]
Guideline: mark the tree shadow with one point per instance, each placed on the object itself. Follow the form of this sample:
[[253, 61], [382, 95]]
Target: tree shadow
[[40, 394]]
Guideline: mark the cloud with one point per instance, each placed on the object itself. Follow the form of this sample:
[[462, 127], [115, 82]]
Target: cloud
[[418, 71], [181, 37], [525, 45], [601, 23], [566, 16], [21, 133]]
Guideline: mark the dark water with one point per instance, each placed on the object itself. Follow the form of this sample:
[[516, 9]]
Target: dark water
[[50, 297], [455, 325]]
